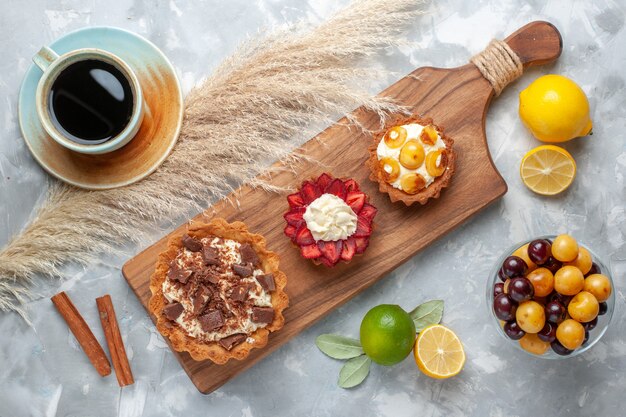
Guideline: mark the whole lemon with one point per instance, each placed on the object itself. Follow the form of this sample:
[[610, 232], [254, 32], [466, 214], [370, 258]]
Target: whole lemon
[[555, 109]]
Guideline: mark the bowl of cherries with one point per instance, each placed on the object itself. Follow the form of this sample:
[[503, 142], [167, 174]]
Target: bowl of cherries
[[551, 296]]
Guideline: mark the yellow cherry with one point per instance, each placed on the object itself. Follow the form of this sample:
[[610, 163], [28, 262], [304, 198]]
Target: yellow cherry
[[569, 280], [412, 154], [429, 135], [570, 333], [583, 261], [395, 137], [390, 169], [584, 307], [565, 248], [412, 183], [599, 285], [436, 162]]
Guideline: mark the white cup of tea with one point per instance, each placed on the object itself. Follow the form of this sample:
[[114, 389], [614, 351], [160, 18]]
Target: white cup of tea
[[88, 100]]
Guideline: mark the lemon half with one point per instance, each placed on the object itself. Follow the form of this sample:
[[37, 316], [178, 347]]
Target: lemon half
[[548, 169], [439, 352]]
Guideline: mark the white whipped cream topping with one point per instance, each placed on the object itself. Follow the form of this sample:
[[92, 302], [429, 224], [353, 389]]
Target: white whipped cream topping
[[329, 218], [234, 324], [413, 131]]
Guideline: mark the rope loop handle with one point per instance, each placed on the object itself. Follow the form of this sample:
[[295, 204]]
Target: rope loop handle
[[499, 64]]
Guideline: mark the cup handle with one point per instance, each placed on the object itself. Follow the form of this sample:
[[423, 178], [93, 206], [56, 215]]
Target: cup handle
[[45, 57]]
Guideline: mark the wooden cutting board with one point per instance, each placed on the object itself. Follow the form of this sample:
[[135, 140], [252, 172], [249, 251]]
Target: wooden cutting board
[[455, 98]]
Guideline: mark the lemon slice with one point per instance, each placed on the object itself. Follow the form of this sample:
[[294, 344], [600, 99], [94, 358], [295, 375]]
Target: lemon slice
[[548, 169], [439, 352]]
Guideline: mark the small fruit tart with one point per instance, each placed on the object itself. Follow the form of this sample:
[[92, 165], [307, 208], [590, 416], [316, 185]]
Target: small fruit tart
[[412, 160], [217, 292], [329, 219]]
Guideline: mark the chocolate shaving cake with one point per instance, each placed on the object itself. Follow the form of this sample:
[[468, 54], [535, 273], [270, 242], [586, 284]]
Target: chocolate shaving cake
[[217, 292]]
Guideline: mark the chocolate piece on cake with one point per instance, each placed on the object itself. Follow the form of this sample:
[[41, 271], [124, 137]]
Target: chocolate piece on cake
[[203, 295], [212, 278], [240, 293], [267, 282], [177, 274], [262, 314], [231, 341], [192, 243], [211, 320], [248, 254], [210, 256], [173, 310], [242, 270]]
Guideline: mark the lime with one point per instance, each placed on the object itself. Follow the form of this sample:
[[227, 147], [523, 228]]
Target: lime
[[387, 334]]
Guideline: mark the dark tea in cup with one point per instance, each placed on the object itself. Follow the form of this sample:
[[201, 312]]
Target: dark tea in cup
[[90, 102]]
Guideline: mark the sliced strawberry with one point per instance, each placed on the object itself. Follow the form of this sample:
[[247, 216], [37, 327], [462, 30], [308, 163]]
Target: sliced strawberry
[[329, 253], [349, 249], [368, 212], [363, 228], [337, 188], [355, 199], [295, 200], [310, 192], [304, 236], [310, 251], [330, 250], [351, 185], [325, 262], [361, 244], [290, 231], [324, 180], [294, 216]]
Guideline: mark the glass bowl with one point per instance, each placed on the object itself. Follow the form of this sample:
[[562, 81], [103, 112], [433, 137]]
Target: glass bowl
[[594, 334]]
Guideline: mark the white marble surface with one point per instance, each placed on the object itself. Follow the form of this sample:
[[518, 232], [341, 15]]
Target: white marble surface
[[43, 372]]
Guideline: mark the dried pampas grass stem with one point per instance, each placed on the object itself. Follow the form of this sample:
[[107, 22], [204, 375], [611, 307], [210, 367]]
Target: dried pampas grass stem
[[241, 118]]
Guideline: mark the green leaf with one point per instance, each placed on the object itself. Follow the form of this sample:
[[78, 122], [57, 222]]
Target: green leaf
[[354, 371], [339, 347], [426, 314]]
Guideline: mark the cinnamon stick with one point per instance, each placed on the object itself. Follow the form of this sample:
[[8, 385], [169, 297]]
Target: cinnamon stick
[[83, 333], [114, 340]]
